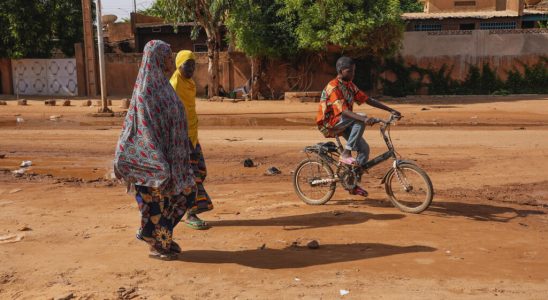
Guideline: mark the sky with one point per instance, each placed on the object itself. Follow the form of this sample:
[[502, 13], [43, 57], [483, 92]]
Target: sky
[[122, 8]]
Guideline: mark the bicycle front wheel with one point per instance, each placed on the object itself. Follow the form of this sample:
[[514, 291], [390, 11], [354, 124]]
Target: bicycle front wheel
[[314, 182], [409, 188]]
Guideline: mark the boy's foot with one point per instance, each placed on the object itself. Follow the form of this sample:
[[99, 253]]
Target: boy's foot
[[162, 254], [359, 191], [349, 160]]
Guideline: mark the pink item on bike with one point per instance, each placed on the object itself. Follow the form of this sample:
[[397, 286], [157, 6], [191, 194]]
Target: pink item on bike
[[348, 160], [359, 191]]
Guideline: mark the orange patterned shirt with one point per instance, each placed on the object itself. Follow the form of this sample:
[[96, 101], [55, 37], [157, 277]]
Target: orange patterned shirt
[[337, 97]]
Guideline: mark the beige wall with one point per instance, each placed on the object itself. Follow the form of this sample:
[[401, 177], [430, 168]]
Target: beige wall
[[461, 51], [436, 6]]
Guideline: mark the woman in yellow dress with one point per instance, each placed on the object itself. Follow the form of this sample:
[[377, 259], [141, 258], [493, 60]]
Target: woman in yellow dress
[[184, 86]]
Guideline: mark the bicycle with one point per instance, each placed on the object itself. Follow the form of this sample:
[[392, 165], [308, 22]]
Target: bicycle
[[315, 182]]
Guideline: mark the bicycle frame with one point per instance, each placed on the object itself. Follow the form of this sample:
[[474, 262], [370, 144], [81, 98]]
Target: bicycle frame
[[391, 153]]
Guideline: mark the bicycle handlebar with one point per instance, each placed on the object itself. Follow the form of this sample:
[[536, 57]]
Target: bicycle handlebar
[[390, 120]]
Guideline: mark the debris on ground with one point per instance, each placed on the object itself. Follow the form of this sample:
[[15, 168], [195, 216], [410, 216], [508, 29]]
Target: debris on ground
[[126, 294], [66, 103], [25, 228], [19, 120], [11, 238], [65, 297], [15, 191], [125, 103], [55, 117], [344, 292], [425, 108], [86, 103], [2, 156], [273, 171], [3, 103], [263, 246], [22, 102], [50, 102], [313, 244], [26, 163], [248, 163]]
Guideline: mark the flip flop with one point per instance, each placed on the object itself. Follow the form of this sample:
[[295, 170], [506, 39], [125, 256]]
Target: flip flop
[[197, 224], [348, 160], [161, 255], [359, 191]]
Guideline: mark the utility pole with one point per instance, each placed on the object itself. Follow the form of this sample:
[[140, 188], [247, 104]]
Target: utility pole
[[89, 50], [102, 75], [135, 6]]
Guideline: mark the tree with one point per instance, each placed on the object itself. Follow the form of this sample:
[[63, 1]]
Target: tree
[[258, 30], [33, 28], [411, 6], [209, 15], [25, 30]]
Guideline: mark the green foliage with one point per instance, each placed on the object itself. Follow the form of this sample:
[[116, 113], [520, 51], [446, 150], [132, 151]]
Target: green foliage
[[484, 81], [411, 6], [34, 28], [368, 27], [441, 82], [533, 80], [259, 30], [404, 84]]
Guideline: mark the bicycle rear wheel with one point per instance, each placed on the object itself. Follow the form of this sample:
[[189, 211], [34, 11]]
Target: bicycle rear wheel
[[409, 188], [314, 182]]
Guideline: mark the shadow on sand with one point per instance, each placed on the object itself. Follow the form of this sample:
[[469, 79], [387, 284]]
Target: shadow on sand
[[299, 257], [315, 220]]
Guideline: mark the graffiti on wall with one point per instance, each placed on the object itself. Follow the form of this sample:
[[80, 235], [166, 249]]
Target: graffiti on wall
[[47, 77]]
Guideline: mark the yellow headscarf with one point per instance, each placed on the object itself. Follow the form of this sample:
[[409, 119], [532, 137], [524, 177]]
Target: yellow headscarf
[[186, 90]]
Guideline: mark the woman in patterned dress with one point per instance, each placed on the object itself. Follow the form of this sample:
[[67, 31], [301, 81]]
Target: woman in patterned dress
[[152, 154]]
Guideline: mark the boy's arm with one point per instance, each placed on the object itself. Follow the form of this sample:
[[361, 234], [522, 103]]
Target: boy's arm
[[379, 105]]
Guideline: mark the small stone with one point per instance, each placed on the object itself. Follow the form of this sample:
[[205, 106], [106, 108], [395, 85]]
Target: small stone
[[66, 103], [313, 244], [2, 156], [86, 103], [50, 102], [125, 103], [273, 171], [262, 247], [424, 108], [3, 103], [260, 139], [22, 102], [248, 163], [25, 228]]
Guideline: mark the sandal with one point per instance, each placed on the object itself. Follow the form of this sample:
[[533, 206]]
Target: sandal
[[173, 248], [359, 191], [348, 160], [161, 254], [197, 223]]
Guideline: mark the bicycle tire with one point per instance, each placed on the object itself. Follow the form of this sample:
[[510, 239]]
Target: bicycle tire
[[398, 203], [299, 189]]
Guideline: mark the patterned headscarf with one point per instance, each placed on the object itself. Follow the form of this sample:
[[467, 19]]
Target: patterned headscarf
[[153, 148]]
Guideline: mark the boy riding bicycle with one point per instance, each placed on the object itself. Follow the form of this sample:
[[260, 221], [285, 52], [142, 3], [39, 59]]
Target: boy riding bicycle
[[336, 117]]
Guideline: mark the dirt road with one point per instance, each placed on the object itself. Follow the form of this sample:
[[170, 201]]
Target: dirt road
[[65, 229]]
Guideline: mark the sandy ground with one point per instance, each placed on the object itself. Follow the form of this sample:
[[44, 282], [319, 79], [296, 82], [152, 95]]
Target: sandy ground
[[65, 229]]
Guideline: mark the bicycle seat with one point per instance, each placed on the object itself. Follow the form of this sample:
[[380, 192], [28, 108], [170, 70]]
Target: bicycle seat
[[328, 146]]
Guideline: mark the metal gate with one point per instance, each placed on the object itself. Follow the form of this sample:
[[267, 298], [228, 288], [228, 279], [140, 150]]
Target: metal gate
[[46, 77]]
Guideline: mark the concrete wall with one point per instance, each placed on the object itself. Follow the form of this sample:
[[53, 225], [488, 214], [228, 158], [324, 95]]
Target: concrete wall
[[501, 48], [311, 73], [435, 6]]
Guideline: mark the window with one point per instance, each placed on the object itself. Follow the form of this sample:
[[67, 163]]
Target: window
[[498, 25], [465, 3], [528, 24], [200, 48], [427, 27], [467, 26]]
